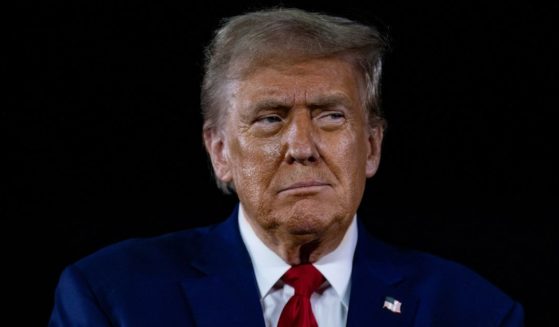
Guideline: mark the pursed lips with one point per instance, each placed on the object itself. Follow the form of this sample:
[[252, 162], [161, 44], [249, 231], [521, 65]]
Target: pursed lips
[[302, 185]]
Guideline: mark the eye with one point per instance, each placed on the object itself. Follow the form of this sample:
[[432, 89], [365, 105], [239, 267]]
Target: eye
[[267, 125], [334, 115], [269, 119], [331, 116], [331, 119]]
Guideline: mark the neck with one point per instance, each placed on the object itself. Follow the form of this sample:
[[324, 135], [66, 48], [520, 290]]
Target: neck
[[299, 249]]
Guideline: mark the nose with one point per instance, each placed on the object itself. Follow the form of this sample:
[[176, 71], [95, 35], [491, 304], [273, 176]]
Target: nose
[[300, 140]]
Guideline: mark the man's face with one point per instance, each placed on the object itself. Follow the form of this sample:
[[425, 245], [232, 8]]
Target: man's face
[[297, 146]]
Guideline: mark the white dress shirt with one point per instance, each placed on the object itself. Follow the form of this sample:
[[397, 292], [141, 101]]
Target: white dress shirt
[[329, 303]]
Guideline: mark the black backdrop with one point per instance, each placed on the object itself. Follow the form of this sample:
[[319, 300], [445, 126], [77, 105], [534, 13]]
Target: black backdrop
[[105, 140]]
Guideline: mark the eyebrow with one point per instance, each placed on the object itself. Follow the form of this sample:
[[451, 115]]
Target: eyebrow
[[321, 101], [270, 104], [331, 100]]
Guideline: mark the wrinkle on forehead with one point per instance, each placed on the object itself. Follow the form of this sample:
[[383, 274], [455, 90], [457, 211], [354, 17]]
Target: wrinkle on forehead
[[313, 100]]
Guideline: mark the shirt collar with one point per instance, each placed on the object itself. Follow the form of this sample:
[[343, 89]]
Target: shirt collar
[[268, 267]]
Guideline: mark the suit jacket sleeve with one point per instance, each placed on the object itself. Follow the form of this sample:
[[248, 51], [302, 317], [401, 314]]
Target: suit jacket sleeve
[[75, 303]]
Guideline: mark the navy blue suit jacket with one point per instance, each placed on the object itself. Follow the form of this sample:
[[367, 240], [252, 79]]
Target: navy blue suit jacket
[[204, 277]]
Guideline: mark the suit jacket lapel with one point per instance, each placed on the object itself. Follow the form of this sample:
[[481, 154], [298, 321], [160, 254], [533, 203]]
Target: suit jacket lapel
[[374, 278], [226, 293]]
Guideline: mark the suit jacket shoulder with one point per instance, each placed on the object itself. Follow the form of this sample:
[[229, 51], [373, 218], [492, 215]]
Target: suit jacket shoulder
[[431, 291], [163, 257], [129, 283], [199, 277]]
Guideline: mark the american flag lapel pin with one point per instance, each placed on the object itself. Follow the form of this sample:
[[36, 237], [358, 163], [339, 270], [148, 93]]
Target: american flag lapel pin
[[392, 304]]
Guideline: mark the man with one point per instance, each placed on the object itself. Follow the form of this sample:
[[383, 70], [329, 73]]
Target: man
[[293, 127]]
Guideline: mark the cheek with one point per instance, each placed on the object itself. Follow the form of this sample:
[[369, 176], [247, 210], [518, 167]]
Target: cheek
[[350, 152], [350, 155], [254, 161]]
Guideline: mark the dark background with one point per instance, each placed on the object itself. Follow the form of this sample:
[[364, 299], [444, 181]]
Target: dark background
[[104, 142]]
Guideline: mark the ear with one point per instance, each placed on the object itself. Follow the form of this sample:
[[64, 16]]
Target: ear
[[217, 149], [373, 155]]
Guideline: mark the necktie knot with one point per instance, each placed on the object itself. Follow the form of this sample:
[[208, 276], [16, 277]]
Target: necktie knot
[[305, 279]]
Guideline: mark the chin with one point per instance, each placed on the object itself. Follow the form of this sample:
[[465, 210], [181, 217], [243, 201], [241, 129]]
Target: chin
[[305, 230], [309, 222], [309, 216]]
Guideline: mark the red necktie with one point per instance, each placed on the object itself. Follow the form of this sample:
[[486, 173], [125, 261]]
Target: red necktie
[[305, 279]]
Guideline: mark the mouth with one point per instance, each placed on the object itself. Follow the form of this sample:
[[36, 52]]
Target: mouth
[[305, 187]]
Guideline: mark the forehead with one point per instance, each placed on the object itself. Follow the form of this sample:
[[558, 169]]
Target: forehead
[[309, 80]]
